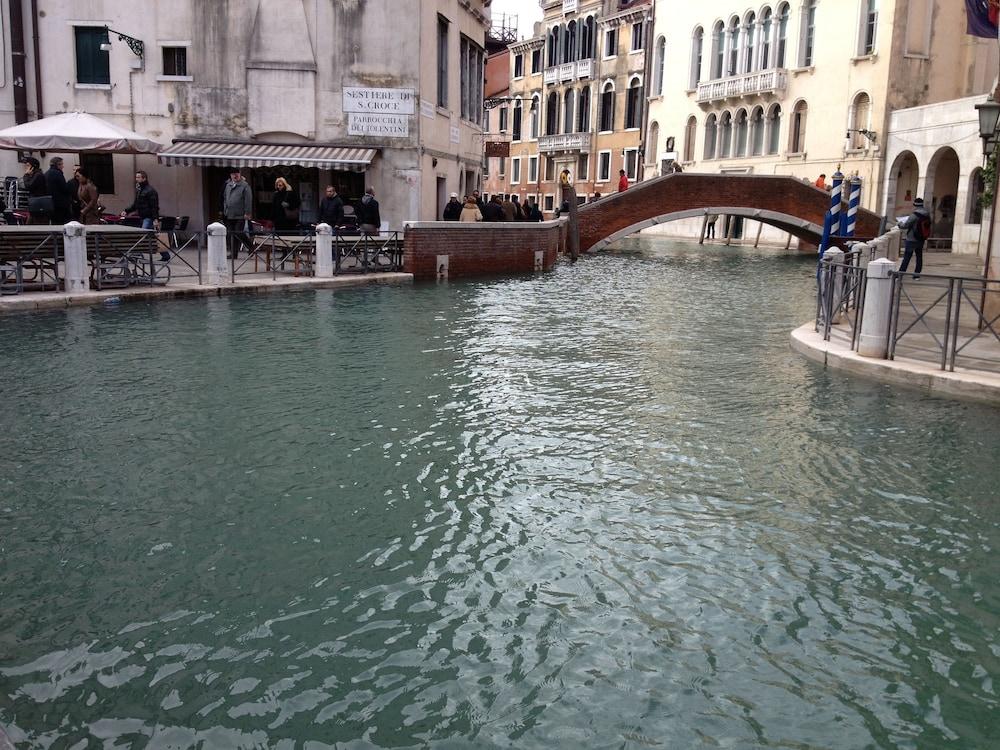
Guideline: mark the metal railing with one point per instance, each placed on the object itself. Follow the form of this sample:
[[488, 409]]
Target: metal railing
[[367, 253], [180, 246], [353, 252], [841, 295], [30, 261]]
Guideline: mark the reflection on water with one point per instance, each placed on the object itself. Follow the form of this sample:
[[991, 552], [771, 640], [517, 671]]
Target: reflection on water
[[604, 507]]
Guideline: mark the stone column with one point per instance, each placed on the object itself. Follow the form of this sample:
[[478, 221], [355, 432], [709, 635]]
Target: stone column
[[873, 340], [324, 251], [76, 279], [216, 268]]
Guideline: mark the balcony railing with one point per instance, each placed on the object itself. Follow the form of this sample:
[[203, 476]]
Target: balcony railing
[[551, 75], [565, 142], [748, 84], [585, 68], [567, 72]]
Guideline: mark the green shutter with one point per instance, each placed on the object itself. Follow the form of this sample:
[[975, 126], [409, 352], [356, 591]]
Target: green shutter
[[92, 63]]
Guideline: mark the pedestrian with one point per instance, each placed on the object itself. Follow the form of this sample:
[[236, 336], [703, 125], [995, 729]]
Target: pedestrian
[[88, 198], [368, 215], [55, 181], [479, 201], [146, 206], [518, 210], [532, 212], [597, 197], [284, 206], [508, 209], [622, 181], [453, 210], [677, 168], [470, 211], [39, 200], [237, 204], [710, 226], [73, 186], [493, 210], [331, 208], [918, 230], [821, 182]]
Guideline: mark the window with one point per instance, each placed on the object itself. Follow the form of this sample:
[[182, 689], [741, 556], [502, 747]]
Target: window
[[568, 100], [808, 33], [697, 44], [637, 36], [734, 47], [608, 108], [552, 56], [583, 112], [633, 105], [765, 40], [532, 169], [518, 66], [536, 61], [92, 64], [779, 61], [757, 132], [551, 113], [632, 163], [486, 169], [651, 141], [535, 114], [718, 50], [504, 119], [977, 184], [100, 168], [869, 27], [798, 134], [861, 110], [741, 133], [588, 38], [502, 170], [603, 166], [658, 62], [516, 127], [569, 43], [550, 169], [751, 44], [726, 141], [583, 167], [472, 61], [442, 71], [175, 61], [515, 170], [690, 134], [549, 203], [711, 136], [611, 43], [774, 129]]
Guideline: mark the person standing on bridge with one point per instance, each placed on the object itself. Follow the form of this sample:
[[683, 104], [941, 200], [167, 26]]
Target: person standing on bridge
[[821, 182], [622, 181], [918, 229]]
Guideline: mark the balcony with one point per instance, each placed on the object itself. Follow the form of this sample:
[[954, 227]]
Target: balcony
[[565, 142], [773, 81], [568, 72]]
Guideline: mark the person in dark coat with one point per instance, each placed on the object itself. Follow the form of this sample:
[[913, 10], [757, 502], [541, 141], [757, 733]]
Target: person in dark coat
[[918, 229], [518, 209], [73, 185], [55, 181], [36, 187], [284, 206], [479, 202], [88, 197], [531, 211], [453, 211], [146, 204], [493, 210], [331, 208], [368, 214]]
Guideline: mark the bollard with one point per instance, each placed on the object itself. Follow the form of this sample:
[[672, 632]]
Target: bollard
[[217, 269], [835, 289], [873, 340], [835, 198], [853, 206], [324, 251], [77, 278]]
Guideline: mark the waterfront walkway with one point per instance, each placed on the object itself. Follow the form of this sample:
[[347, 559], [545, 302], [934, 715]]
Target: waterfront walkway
[[918, 356]]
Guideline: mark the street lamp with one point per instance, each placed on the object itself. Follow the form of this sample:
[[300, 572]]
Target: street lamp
[[989, 114]]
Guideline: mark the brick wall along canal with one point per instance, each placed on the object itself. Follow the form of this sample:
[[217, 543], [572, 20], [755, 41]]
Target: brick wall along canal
[[603, 507]]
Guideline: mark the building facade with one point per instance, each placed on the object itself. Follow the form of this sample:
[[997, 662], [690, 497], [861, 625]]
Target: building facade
[[580, 86], [384, 93], [802, 88]]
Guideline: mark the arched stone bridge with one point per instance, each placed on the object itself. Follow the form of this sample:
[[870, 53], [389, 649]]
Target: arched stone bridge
[[787, 203]]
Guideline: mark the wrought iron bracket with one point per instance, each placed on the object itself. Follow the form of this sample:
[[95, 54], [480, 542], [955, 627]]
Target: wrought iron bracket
[[136, 45], [496, 101]]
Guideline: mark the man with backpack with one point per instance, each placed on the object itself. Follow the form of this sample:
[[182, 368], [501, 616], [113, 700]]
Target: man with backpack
[[918, 230]]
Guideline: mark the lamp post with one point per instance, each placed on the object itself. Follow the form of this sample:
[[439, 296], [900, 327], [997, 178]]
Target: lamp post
[[989, 115]]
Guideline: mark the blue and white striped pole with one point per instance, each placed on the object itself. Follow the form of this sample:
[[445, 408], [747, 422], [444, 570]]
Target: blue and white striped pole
[[855, 204], [835, 197]]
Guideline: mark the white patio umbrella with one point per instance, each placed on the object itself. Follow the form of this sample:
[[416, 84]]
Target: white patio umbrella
[[73, 132]]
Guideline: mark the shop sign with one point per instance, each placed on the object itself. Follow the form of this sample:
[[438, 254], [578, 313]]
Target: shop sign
[[497, 149]]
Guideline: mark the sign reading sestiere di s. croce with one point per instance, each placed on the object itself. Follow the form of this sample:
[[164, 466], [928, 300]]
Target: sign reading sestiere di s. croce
[[379, 112]]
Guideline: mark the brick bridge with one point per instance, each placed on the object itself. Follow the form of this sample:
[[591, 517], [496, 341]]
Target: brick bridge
[[787, 203]]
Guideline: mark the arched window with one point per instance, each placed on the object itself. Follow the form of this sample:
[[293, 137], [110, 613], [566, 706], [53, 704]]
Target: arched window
[[868, 38], [774, 129], [633, 105], [757, 132], [861, 109], [569, 50], [779, 59], [651, 139], [749, 62], [551, 113], [516, 125], [976, 187], [568, 101], [797, 145], [718, 50], [726, 141], [690, 133], [535, 114], [765, 39], [711, 136], [591, 50], [658, 60], [741, 133], [555, 35], [734, 47], [697, 44], [807, 42], [608, 107], [583, 112]]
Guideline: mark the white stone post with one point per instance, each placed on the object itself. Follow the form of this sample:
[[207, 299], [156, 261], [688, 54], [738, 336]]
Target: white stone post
[[874, 338], [217, 269], [76, 278], [324, 251], [831, 256]]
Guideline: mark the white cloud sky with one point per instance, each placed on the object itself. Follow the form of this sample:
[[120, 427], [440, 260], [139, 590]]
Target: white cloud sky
[[527, 11]]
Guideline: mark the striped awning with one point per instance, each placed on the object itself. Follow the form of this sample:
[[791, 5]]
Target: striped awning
[[229, 154]]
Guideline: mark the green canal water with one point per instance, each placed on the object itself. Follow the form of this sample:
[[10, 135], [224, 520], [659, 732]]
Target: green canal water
[[606, 507]]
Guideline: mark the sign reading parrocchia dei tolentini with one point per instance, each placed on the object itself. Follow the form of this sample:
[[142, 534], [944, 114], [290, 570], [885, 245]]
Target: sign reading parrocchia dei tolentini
[[379, 112]]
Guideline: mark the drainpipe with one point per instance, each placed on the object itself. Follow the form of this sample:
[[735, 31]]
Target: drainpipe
[[17, 58], [37, 59], [647, 67]]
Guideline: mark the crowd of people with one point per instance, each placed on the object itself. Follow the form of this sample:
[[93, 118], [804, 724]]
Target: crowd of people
[[498, 208]]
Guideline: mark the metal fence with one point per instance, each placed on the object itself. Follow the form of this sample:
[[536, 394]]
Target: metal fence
[[295, 253], [841, 294]]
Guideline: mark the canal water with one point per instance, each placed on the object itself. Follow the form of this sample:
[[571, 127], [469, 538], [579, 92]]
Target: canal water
[[601, 507]]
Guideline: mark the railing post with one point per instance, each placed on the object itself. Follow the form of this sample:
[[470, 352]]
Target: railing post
[[75, 257], [216, 268], [874, 338], [834, 260], [324, 251]]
